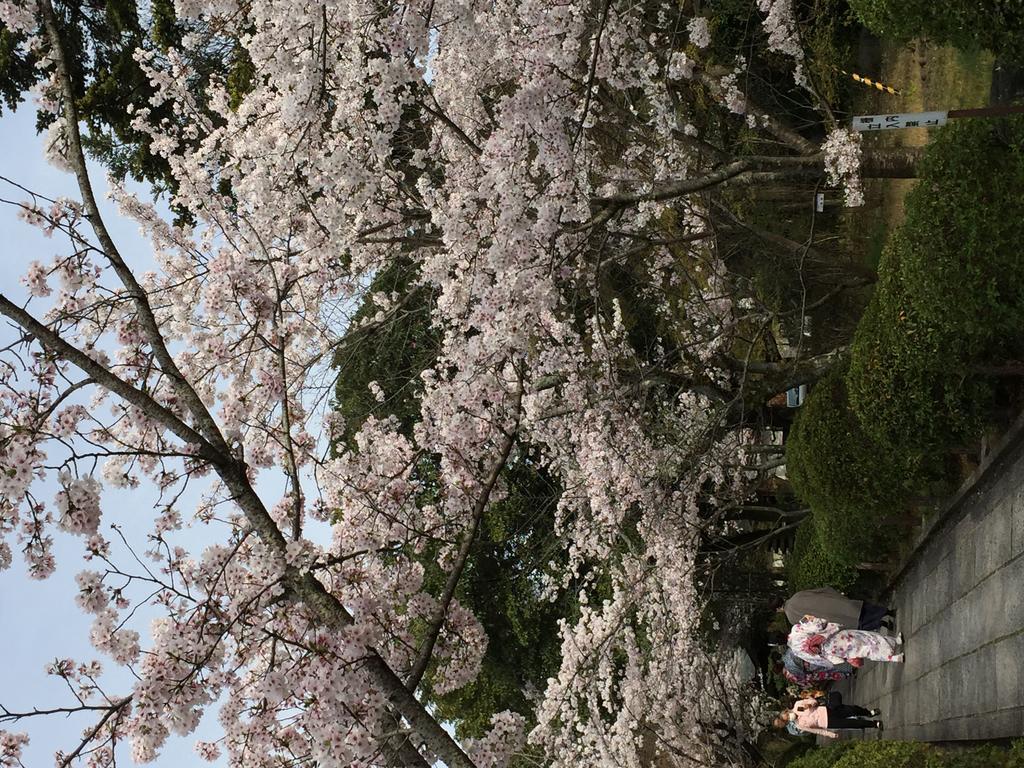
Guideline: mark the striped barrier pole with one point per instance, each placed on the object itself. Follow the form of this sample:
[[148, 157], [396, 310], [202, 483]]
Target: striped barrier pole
[[870, 83]]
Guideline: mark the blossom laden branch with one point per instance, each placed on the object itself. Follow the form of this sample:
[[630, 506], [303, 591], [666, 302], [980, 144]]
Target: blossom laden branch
[[436, 621]]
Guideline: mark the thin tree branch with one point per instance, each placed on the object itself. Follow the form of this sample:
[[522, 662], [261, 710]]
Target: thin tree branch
[[593, 70], [426, 651], [76, 157], [98, 373], [91, 734]]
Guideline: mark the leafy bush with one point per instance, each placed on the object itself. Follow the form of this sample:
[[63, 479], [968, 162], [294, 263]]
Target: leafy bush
[[960, 254], [845, 477], [909, 754], [824, 757], [997, 25], [988, 756], [950, 301], [810, 565], [950, 297], [902, 375]]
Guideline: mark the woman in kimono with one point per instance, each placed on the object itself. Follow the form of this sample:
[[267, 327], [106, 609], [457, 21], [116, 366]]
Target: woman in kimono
[[805, 673], [815, 640]]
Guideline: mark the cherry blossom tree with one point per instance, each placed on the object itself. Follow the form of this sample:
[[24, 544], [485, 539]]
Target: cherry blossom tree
[[516, 154]]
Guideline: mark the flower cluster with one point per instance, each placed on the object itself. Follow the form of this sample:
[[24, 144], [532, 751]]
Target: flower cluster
[[501, 743], [207, 750], [91, 597], [457, 139], [78, 504], [700, 33], [780, 25], [842, 149], [10, 748]]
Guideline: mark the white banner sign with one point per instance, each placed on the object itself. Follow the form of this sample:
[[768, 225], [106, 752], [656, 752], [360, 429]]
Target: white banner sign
[[905, 120]]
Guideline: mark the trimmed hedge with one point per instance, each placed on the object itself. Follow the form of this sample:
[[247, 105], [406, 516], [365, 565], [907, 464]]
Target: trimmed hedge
[[909, 754], [950, 297], [949, 302], [809, 565], [847, 478], [906, 380], [997, 25]]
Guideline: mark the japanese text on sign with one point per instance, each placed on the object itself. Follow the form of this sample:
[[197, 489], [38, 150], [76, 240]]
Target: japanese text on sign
[[904, 120]]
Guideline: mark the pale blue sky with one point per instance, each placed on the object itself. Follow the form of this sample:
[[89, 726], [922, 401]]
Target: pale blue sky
[[40, 619]]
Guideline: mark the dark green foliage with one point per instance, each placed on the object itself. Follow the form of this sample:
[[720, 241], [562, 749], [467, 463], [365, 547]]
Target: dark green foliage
[[997, 25], [845, 477], [910, 754], [824, 757], [164, 28], [949, 303], [987, 756], [113, 81], [810, 565], [865, 754], [100, 38], [17, 72], [240, 75], [501, 586], [900, 370], [516, 540], [393, 354], [950, 297]]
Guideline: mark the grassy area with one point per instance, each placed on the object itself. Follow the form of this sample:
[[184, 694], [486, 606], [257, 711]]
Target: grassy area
[[928, 77], [910, 754]]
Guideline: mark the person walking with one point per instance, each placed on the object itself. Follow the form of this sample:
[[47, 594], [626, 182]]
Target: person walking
[[814, 639], [808, 716], [805, 673], [831, 605]]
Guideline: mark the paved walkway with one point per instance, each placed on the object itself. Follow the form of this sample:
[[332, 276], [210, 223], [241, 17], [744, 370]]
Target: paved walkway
[[960, 606]]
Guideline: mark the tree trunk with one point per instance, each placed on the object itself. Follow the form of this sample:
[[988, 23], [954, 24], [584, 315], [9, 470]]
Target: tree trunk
[[891, 163], [759, 514]]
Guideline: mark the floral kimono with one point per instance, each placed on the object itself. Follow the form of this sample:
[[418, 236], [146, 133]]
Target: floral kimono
[[816, 640], [803, 673]]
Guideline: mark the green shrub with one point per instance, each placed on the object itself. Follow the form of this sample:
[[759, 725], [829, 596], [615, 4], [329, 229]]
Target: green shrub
[[987, 756], [824, 757], [950, 298], [960, 253], [866, 754], [848, 481], [997, 25], [908, 754], [907, 381], [949, 301], [809, 565], [1015, 759]]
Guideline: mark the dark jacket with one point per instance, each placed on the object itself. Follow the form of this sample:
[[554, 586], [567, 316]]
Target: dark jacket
[[824, 603]]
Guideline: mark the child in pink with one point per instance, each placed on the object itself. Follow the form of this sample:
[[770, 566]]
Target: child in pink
[[812, 717]]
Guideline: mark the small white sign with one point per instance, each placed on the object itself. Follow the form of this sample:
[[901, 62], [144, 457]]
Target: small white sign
[[819, 202], [904, 120]]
